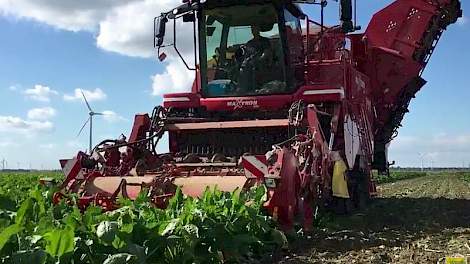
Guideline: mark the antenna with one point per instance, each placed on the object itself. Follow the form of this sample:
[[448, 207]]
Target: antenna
[[91, 113], [355, 14]]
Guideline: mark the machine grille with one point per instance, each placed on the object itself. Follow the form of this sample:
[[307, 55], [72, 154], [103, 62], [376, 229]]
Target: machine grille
[[229, 142]]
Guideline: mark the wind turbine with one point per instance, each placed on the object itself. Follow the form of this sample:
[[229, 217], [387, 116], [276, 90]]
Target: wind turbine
[[422, 156], [91, 113]]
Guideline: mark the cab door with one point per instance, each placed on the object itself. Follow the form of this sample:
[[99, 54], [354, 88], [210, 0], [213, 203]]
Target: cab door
[[294, 47]]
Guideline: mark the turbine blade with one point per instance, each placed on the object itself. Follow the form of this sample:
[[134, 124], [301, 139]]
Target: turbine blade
[[86, 101], [99, 114], [84, 125]]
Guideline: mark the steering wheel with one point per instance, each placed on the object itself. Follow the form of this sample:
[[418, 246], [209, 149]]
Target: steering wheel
[[220, 68]]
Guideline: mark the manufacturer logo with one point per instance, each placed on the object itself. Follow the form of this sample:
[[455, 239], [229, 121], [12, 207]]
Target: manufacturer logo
[[243, 104]]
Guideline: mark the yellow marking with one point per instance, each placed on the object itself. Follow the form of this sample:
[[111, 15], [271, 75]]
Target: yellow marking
[[456, 260]]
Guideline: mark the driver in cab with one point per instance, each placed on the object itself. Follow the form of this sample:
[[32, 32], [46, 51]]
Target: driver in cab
[[258, 43], [257, 62]]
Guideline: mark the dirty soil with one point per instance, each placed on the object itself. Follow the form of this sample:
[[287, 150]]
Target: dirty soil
[[420, 220]]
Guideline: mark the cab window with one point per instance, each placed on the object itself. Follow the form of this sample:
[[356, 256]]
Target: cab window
[[244, 52], [294, 45]]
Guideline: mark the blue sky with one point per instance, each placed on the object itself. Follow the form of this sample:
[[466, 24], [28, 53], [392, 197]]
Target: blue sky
[[51, 48]]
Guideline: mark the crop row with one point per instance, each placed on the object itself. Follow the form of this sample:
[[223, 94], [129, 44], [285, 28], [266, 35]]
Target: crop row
[[218, 227]]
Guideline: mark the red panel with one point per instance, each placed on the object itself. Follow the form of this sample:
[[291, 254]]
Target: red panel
[[320, 93], [270, 102], [140, 128], [400, 26], [181, 100]]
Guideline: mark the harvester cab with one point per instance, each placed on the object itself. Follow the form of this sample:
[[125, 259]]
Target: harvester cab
[[271, 101], [245, 48]]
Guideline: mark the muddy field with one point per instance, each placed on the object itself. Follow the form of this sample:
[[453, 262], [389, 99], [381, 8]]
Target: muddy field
[[421, 220]]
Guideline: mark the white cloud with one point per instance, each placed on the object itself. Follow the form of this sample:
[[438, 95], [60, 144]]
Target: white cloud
[[6, 143], [70, 15], [441, 150], [40, 93], [431, 144], [95, 95], [13, 88], [112, 117], [462, 20], [48, 146], [74, 144], [115, 22], [175, 79], [120, 32], [17, 124], [123, 26], [41, 114]]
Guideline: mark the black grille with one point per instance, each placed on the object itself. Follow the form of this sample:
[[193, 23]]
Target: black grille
[[230, 142]]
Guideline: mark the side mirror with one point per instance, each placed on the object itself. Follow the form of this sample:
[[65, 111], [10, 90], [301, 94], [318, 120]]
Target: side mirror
[[162, 56], [159, 30]]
